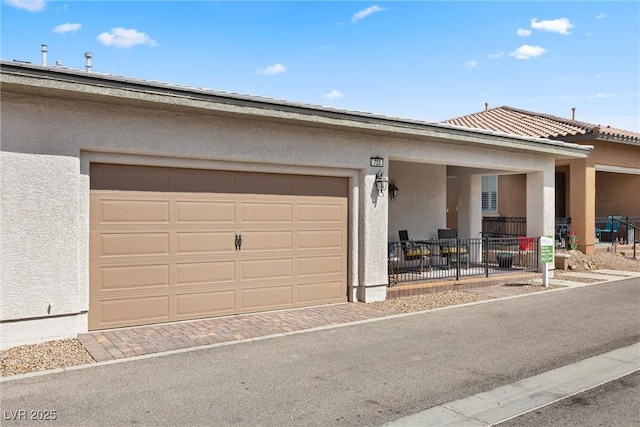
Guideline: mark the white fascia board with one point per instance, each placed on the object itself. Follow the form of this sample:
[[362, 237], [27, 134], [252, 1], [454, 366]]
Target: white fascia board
[[617, 169]]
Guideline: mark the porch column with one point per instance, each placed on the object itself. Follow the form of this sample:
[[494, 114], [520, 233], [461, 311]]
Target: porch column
[[373, 268], [582, 203], [469, 206], [541, 202], [470, 211]]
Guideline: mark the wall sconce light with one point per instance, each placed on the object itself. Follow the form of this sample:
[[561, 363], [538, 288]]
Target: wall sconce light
[[393, 190], [381, 182]]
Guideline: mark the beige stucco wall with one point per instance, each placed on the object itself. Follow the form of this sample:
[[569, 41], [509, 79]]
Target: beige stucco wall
[[420, 206], [512, 195], [616, 194], [43, 267]]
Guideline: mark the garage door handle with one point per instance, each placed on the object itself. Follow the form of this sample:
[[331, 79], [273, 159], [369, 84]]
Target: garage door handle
[[240, 242], [237, 242]]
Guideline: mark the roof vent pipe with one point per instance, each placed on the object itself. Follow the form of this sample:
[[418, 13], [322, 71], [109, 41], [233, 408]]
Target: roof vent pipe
[[43, 49], [573, 113], [486, 106], [88, 55]]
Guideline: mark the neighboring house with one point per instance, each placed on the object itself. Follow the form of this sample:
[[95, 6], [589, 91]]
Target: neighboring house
[[128, 202], [606, 183]]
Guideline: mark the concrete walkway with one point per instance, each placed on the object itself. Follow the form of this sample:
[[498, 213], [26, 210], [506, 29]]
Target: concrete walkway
[[122, 343]]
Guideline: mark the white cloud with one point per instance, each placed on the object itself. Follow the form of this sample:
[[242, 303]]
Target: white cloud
[[496, 55], [334, 94], [366, 12], [125, 37], [274, 69], [601, 15], [67, 28], [29, 5], [525, 52], [598, 95], [560, 26], [523, 33], [471, 64]]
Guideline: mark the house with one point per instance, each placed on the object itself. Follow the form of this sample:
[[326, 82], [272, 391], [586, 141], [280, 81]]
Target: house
[[128, 202], [606, 183]]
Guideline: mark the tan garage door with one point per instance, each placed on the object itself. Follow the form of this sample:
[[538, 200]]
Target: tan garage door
[[164, 247]]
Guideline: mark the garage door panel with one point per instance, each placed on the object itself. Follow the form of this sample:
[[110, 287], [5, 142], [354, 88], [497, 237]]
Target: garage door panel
[[267, 212], [145, 211], [320, 239], [205, 272], [205, 242], [205, 304], [266, 241], [263, 269], [265, 184], [330, 291], [129, 178], [321, 213], [131, 244], [131, 277], [131, 311], [320, 265], [213, 212], [202, 181], [265, 297]]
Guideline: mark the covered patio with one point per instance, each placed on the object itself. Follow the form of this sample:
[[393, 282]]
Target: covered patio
[[421, 244]]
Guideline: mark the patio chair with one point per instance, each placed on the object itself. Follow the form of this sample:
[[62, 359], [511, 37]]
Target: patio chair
[[449, 247], [412, 251]]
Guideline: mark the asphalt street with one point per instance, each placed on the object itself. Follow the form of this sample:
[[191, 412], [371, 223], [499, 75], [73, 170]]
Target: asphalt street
[[365, 374]]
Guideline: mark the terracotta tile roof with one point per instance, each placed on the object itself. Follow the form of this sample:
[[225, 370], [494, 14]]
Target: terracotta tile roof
[[527, 123]]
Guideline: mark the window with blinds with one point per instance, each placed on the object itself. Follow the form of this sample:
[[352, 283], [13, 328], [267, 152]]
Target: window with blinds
[[490, 194]]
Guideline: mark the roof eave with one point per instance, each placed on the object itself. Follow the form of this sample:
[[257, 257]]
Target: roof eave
[[66, 83]]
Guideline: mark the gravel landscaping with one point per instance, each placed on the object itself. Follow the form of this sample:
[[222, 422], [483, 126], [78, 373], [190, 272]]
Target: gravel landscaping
[[42, 357], [64, 353]]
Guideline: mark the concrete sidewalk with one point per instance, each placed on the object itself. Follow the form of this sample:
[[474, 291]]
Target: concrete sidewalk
[[503, 403]]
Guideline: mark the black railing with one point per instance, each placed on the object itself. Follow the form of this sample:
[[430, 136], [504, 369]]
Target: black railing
[[410, 261], [562, 226], [617, 229], [504, 226]]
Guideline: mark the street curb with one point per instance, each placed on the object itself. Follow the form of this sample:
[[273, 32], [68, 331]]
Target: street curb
[[513, 400]]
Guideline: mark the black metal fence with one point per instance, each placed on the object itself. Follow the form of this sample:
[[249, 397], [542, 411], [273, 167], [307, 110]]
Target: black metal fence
[[617, 229], [410, 261], [562, 227], [504, 226]]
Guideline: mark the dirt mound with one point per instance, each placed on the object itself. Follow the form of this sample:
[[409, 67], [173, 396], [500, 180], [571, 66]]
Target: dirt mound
[[610, 261]]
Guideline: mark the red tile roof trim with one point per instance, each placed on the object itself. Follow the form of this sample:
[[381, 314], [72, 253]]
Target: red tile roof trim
[[527, 123]]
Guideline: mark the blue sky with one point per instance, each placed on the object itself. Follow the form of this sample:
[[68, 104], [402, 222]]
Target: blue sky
[[424, 60]]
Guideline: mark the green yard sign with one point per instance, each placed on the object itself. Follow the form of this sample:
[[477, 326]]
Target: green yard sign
[[546, 249]]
